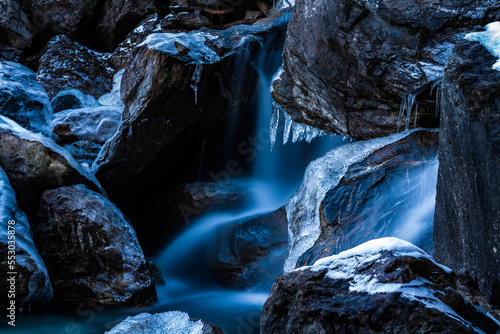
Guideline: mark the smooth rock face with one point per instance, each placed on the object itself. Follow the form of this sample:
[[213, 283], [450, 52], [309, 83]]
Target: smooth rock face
[[250, 252], [67, 64], [35, 163], [90, 248], [22, 98], [467, 220], [174, 322], [349, 67], [391, 193], [32, 284], [383, 286], [15, 30]]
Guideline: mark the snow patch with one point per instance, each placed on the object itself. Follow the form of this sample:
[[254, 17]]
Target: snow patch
[[490, 39], [174, 322]]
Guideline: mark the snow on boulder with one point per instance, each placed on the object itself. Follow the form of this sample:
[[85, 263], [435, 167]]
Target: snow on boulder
[[32, 283], [382, 285], [174, 322], [90, 248], [72, 99], [22, 98]]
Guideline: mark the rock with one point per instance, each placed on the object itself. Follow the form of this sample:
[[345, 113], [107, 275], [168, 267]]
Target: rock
[[35, 163], [383, 286], [15, 29], [191, 21], [67, 64], [391, 193], [353, 66], [32, 284], [90, 249], [467, 220], [249, 253], [72, 99], [174, 322], [22, 98]]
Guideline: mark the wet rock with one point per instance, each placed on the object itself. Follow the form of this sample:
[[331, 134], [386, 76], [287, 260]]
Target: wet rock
[[90, 249], [351, 67], [22, 98], [251, 252], [191, 21], [173, 322], [72, 99], [35, 163], [67, 64], [467, 220], [32, 284], [15, 29], [383, 286], [391, 193]]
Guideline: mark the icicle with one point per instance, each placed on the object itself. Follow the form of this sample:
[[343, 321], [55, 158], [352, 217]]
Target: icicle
[[416, 113], [407, 102], [196, 79], [288, 127], [273, 126]]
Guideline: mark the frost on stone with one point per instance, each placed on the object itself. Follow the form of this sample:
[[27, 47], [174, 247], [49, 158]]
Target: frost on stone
[[174, 322], [490, 39], [345, 265], [39, 287], [114, 98], [22, 98], [322, 175]]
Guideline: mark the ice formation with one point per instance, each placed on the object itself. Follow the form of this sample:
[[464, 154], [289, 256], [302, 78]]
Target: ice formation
[[174, 322], [114, 98], [490, 39], [322, 175], [85, 100]]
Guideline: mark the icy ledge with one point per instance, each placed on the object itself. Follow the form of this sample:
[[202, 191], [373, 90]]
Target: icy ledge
[[322, 175], [490, 39]]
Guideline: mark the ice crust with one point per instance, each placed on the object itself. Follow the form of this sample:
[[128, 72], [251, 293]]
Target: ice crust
[[174, 322]]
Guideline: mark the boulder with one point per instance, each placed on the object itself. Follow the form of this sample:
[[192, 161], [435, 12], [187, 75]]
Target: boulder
[[32, 284], [251, 252], [367, 68], [22, 98], [90, 249], [15, 29], [174, 322], [383, 286], [66, 64], [72, 99], [391, 193], [467, 220], [35, 163]]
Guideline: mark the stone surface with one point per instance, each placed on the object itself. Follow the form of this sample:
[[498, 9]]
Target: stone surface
[[35, 163], [32, 284], [90, 249], [251, 252], [15, 30], [391, 193], [383, 286], [467, 220], [66, 64], [349, 67], [22, 98]]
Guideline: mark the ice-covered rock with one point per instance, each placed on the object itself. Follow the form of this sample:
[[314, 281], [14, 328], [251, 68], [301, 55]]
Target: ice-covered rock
[[174, 322], [384, 285], [90, 249], [323, 174], [16, 30], [390, 193], [32, 284], [66, 64], [22, 98], [35, 163], [72, 99], [114, 98], [490, 38]]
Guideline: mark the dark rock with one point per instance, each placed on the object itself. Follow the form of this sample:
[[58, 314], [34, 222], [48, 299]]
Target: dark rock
[[32, 285], [35, 163], [251, 252], [15, 30], [167, 322], [90, 249], [22, 98], [350, 67], [376, 196], [190, 21], [467, 220], [383, 286], [67, 64], [72, 99]]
